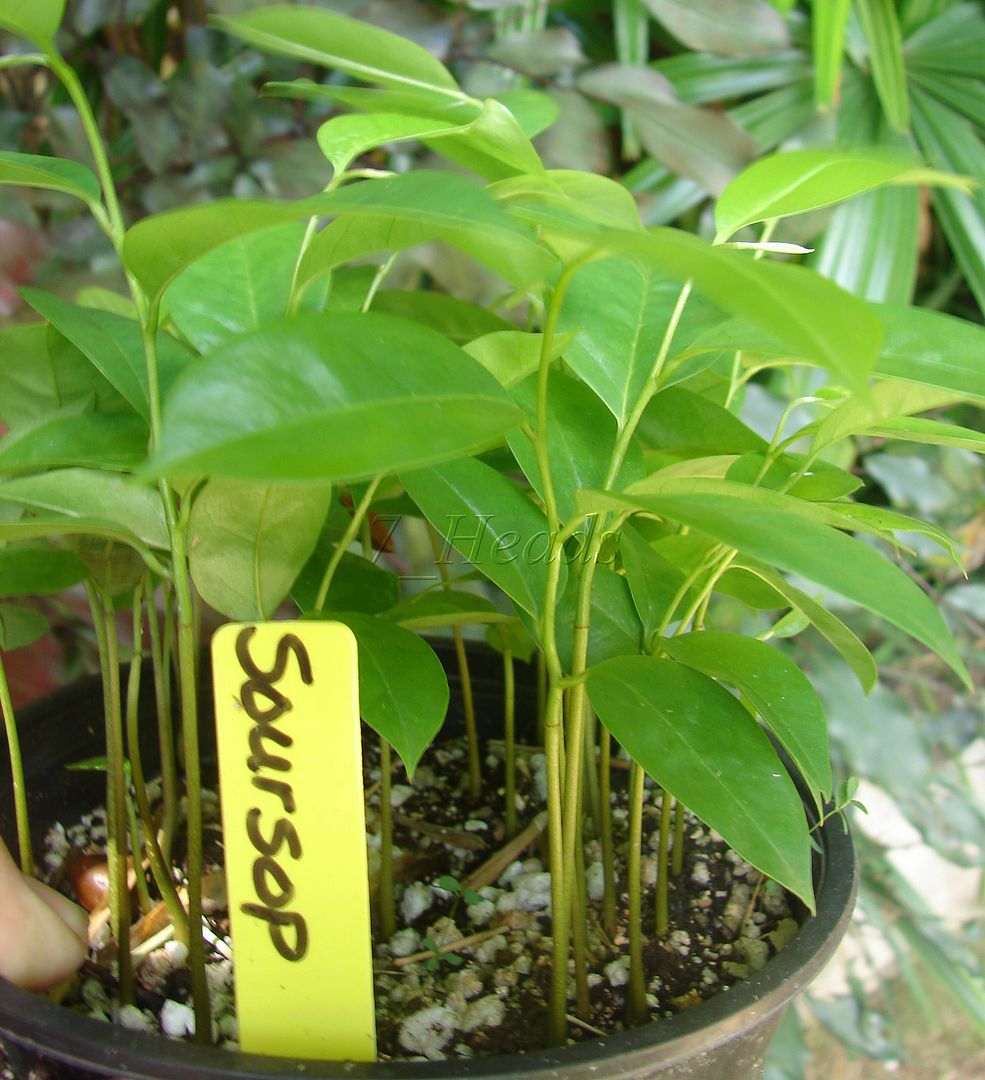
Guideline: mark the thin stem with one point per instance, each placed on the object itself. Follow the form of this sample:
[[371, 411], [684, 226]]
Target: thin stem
[[553, 752], [677, 856], [16, 775], [132, 752], [160, 662], [509, 735], [465, 675], [608, 845], [579, 925], [636, 1003], [293, 296], [378, 278], [350, 534], [388, 912], [590, 732], [663, 866]]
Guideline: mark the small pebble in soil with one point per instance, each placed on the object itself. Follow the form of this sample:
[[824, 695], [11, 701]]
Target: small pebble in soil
[[177, 1020]]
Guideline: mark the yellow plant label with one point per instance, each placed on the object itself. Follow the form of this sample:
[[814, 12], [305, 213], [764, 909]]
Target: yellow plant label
[[291, 786]]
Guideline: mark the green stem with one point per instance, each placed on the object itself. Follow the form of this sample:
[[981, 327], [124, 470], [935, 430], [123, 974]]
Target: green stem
[[553, 752], [350, 534], [663, 866], [579, 923], [16, 775], [636, 1003], [461, 657], [388, 912], [152, 847], [132, 751], [509, 725], [608, 844], [160, 661], [591, 775]]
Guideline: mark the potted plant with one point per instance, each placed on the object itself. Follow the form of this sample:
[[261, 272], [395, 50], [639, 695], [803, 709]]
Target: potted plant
[[590, 466]]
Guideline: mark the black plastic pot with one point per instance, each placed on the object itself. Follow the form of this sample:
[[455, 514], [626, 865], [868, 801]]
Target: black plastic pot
[[723, 1039]]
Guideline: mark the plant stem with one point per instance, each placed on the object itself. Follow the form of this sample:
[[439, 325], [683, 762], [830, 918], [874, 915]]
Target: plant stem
[[541, 665], [155, 856], [388, 913], [350, 534], [677, 852], [608, 846], [663, 866], [553, 752], [579, 923], [16, 775], [468, 700], [636, 1002], [591, 775], [160, 660], [132, 752], [116, 824], [509, 735]]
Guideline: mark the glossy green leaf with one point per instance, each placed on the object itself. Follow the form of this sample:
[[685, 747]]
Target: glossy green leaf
[[107, 440], [950, 142], [338, 377], [580, 435], [776, 688], [962, 93], [730, 27], [87, 494], [618, 311], [493, 145], [880, 25], [45, 526], [654, 581], [680, 420], [884, 401], [344, 138], [843, 639], [364, 51], [357, 585], [420, 206], [458, 320], [403, 690], [811, 316], [533, 110], [788, 533], [614, 624], [248, 542], [492, 525], [508, 355], [41, 373], [931, 433], [821, 482], [236, 287], [688, 733], [829, 18], [701, 78], [49, 173], [31, 570], [420, 101], [932, 349], [798, 181], [569, 198], [114, 345], [20, 626], [36, 20], [880, 519], [446, 607]]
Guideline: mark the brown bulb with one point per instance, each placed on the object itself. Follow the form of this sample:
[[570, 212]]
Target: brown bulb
[[89, 875]]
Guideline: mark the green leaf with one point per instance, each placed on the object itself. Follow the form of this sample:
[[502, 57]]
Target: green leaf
[[702, 79], [952, 42], [878, 519], [580, 435], [344, 138], [46, 526], [446, 607], [880, 26], [811, 316], [419, 206], [89, 495], [114, 345], [884, 401], [776, 688], [615, 627], [820, 483], [696, 740], [533, 110], [458, 320], [730, 27], [236, 287], [107, 440], [50, 173], [491, 523], [20, 626], [931, 433], [932, 349], [653, 580], [32, 570], [785, 532], [618, 310], [403, 691], [36, 20], [339, 377], [492, 145], [357, 585], [829, 19], [797, 181], [680, 420], [358, 48], [248, 542], [511, 355], [856, 655]]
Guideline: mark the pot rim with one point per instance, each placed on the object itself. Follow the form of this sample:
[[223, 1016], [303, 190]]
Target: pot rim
[[33, 1023]]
